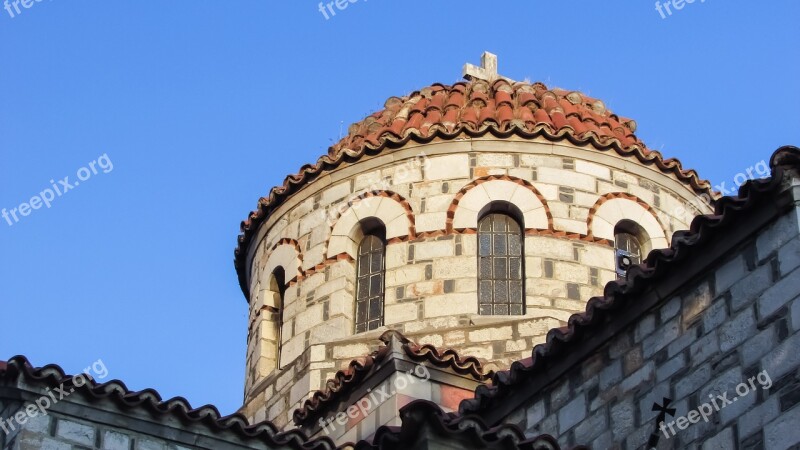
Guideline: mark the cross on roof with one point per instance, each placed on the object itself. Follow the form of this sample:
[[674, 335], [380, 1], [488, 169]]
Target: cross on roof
[[487, 71]]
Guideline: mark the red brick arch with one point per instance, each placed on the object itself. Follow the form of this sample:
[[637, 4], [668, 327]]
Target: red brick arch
[[451, 211]]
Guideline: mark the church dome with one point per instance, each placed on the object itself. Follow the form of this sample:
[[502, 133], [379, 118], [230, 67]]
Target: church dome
[[501, 108], [474, 216]]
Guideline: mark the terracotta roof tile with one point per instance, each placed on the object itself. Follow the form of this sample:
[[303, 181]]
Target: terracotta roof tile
[[473, 108], [150, 400], [729, 211], [420, 414], [348, 379]]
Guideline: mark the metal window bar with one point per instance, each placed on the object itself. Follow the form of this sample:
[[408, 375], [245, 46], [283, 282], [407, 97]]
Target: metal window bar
[[500, 266], [370, 284], [628, 252]]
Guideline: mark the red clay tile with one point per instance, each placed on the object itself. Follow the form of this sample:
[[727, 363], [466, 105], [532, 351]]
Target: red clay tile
[[447, 111]]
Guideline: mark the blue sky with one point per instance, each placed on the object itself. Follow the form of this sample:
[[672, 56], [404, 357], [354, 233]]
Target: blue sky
[[201, 106]]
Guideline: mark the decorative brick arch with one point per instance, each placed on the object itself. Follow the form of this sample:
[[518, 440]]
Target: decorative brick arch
[[470, 199], [613, 207], [389, 207], [286, 253]]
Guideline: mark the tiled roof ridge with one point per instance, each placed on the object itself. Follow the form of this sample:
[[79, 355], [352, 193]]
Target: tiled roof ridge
[[346, 380], [209, 415], [475, 108], [658, 263], [421, 412]]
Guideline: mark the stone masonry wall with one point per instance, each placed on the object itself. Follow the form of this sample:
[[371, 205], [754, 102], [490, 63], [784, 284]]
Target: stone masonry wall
[[428, 197], [79, 426], [741, 320], [284, 391]]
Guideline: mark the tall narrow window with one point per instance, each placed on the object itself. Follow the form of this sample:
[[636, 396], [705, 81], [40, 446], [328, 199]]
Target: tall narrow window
[[500, 266], [370, 284], [628, 246], [274, 309]]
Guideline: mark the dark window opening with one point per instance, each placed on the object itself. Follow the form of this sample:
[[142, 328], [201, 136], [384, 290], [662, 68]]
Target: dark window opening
[[627, 246], [371, 279], [501, 271]]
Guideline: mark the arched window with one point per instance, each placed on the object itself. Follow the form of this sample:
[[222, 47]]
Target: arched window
[[628, 238], [500, 264], [371, 273], [274, 311]]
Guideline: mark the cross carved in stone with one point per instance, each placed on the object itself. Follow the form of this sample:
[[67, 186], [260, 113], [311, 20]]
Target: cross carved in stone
[[487, 71]]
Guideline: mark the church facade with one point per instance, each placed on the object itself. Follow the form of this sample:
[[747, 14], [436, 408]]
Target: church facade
[[489, 264]]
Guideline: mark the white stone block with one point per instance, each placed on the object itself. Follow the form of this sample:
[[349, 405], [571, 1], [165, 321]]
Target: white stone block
[[313, 256], [457, 267], [438, 203], [475, 199], [396, 255], [434, 249], [405, 275], [501, 190], [602, 229], [451, 304], [292, 349], [491, 334], [308, 318], [430, 221], [592, 169], [447, 167], [569, 225], [565, 177], [349, 351], [495, 160], [344, 224], [398, 227], [311, 221], [538, 326], [404, 312], [334, 193], [548, 191], [465, 218]]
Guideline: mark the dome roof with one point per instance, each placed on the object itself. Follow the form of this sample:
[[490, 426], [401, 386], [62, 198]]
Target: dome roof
[[503, 106], [475, 108]]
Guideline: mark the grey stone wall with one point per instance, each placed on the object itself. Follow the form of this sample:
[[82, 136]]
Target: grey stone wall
[[81, 422], [56, 432], [738, 324]]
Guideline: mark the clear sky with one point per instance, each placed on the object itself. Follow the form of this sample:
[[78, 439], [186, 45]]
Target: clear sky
[[201, 106]]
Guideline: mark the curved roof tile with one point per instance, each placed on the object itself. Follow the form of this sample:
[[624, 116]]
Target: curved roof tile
[[348, 379], [54, 376], [475, 108], [417, 414], [659, 263]]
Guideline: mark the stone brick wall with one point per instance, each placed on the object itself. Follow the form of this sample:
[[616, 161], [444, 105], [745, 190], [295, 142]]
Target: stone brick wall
[[739, 321], [56, 432], [428, 196], [75, 425], [498, 341]]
